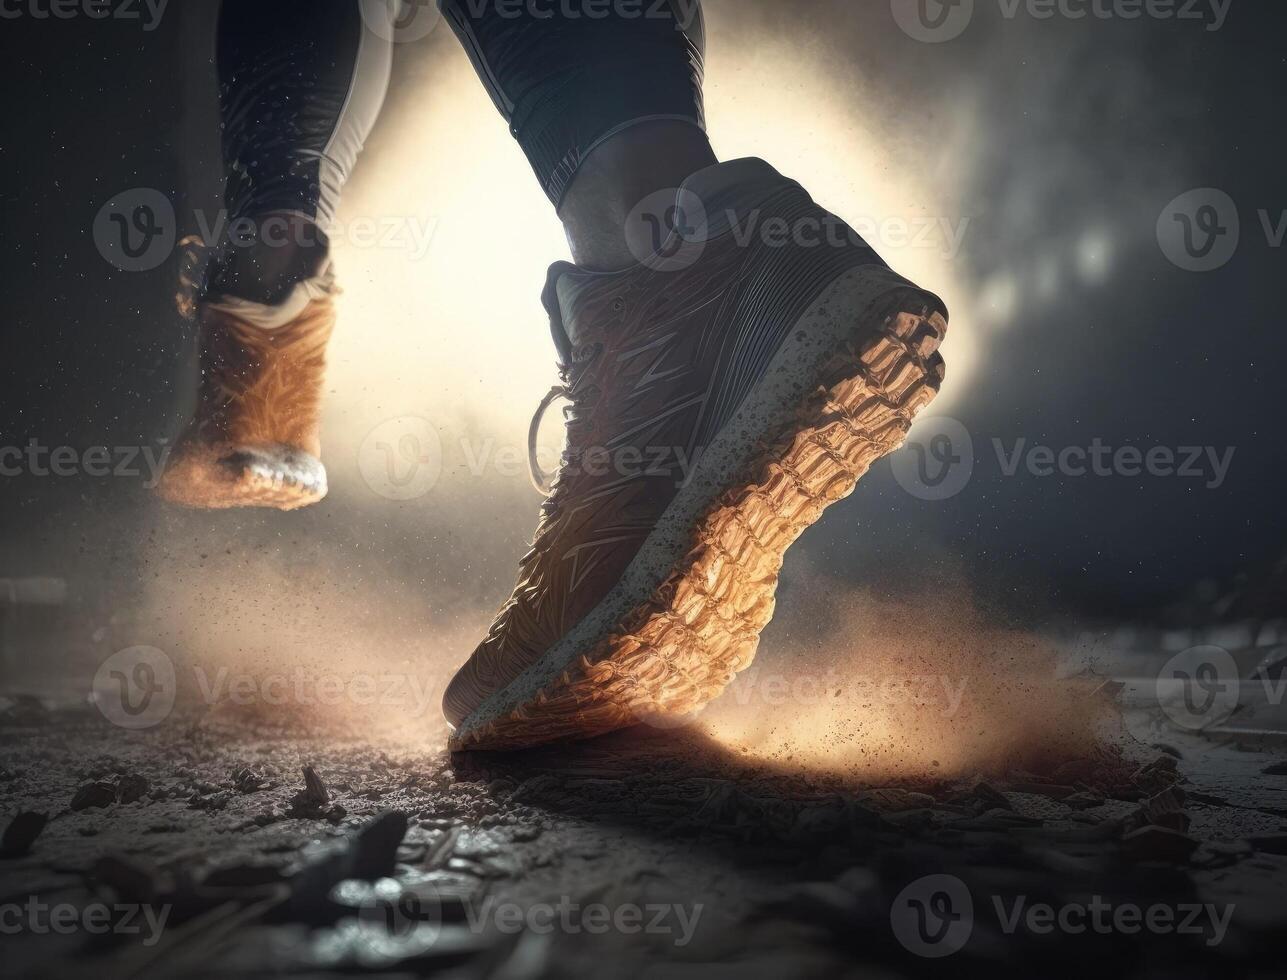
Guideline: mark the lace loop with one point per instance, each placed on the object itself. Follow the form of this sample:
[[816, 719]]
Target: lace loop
[[544, 482]]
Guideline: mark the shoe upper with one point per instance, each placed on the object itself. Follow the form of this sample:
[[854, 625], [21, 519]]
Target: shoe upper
[[654, 361], [261, 386]]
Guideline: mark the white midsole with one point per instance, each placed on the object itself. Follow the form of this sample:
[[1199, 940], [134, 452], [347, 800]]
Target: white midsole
[[829, 321]]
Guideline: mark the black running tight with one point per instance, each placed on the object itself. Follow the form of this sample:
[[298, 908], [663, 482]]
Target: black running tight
[[302, 82]]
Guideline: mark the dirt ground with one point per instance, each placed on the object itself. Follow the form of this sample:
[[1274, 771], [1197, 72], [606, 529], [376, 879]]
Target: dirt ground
[[207, 849]]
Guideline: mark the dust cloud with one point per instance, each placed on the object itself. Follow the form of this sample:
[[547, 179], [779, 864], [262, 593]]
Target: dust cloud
[[917, 687], [306, 647], [361, 611]]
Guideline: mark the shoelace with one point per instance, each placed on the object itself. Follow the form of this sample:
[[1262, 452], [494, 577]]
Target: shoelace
[[544, 482], [583, 399]]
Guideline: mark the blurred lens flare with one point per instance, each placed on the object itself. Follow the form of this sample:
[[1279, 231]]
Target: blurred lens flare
[[440, 317]]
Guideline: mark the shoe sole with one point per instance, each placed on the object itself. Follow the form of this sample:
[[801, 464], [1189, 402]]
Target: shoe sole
[[268, 477], [686, 617]]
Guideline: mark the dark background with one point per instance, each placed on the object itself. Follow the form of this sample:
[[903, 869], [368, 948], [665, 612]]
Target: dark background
[[1082, 122]]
